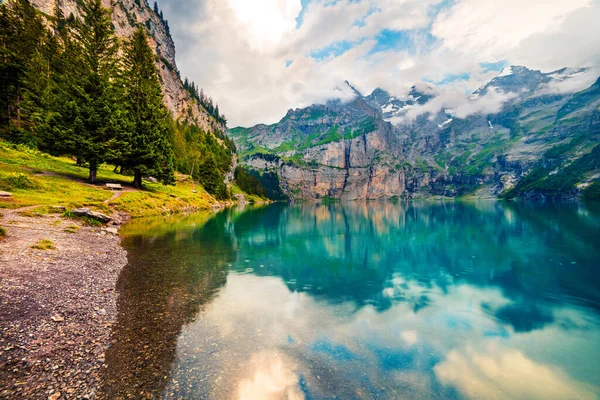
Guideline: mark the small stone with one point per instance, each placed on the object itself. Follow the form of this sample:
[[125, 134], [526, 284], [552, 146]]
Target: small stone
[[59, 208], [55, 396], [193, 191], [57, 318], [86, 212]]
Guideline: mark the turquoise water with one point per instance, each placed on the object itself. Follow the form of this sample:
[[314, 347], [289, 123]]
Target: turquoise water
[[361, 301]]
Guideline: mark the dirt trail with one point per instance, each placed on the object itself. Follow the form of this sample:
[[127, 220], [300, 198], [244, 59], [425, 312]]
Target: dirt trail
[[118, 194], [56, 306]]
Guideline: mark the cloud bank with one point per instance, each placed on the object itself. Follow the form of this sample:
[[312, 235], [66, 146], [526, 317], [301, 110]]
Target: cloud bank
[[258, 59]]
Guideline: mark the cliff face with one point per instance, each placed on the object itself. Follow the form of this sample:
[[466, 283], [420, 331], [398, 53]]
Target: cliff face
[[126, 16], [540, 144]]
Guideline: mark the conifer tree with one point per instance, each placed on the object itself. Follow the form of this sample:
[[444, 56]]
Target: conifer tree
[[90, 116], [21, 39], [146, 149], [211, 178]]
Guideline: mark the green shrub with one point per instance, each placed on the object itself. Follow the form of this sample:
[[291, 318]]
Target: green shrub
[[87, 220], [16, 180], [44, 244]]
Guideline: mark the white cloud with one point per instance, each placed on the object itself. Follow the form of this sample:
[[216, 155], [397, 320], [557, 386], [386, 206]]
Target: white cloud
[[457, 104], [500, 374], [272, 376], [571, 83], [265, 22], [268, 336], [237, 50], [493, 27]]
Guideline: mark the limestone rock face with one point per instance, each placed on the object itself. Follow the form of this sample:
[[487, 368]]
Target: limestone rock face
[[366, 149], [127, 15]]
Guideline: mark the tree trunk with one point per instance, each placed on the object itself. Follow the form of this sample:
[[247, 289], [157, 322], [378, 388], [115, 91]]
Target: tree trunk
[[93, 170], [79, 161], [18, 112], [137, 178]]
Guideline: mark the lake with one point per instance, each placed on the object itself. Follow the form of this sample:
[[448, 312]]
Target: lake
[[425, 300]]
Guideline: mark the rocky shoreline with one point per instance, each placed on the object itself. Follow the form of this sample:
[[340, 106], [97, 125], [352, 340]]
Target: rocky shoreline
[[57, 305]]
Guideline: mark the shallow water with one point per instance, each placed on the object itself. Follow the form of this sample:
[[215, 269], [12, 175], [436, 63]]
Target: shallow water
[[361, 301]]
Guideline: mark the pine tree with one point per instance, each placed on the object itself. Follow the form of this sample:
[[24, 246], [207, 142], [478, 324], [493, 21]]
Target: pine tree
[[147, 148], [155, 8], [211, 178], [89, 116], [22, 35], [38, 84]]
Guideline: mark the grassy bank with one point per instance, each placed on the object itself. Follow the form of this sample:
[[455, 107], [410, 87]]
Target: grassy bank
[[38, 179]]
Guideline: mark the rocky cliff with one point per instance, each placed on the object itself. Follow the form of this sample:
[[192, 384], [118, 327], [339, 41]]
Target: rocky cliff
[[539, 142], [126, 16]]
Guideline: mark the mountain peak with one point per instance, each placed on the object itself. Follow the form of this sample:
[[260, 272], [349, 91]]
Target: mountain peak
[[422, 92], [514, 70], [379, 96], [353, 88]]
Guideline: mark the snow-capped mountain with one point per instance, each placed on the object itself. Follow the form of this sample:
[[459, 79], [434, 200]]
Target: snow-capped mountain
[[393, 106], [525, 133]]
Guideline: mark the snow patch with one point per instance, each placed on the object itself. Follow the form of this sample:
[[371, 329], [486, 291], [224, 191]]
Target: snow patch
[[506, 71], [425, 88], [445, 123], [491, 126], [387, 108]]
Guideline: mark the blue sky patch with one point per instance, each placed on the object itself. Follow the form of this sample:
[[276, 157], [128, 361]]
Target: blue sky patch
[[333, 50], [300, 18], [408, 40], [495, 66], [451, 78]]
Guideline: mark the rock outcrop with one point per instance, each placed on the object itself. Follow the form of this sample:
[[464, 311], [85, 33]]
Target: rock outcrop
[[538, 144]]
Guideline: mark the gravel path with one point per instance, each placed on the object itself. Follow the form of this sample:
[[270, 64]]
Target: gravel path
[[56, 306]]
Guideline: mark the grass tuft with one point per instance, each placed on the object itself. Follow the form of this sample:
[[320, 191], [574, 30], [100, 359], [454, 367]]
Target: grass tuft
[[44, 244], [71, 229], [86, 220]]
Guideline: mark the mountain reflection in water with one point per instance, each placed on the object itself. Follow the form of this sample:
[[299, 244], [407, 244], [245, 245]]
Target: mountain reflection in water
[[425, 300]]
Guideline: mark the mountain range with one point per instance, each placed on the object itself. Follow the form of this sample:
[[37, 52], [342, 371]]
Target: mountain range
[[524, 134]]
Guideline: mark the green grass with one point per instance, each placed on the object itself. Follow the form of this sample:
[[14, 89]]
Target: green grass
[[591, 193], [2, 232], [44, 244], [87, 220], [71, 229], [332, 135], [250, 198], [285, 146], [36, 178], [564, 179], [254, 150]]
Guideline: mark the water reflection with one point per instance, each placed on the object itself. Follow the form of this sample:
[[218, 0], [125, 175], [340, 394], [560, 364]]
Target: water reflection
[[448, 300], [161, 289]]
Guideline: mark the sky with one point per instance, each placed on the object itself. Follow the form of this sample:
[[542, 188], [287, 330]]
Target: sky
[[259, 58]]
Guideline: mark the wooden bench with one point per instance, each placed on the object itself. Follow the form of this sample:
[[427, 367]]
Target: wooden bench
[[114, 186]]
